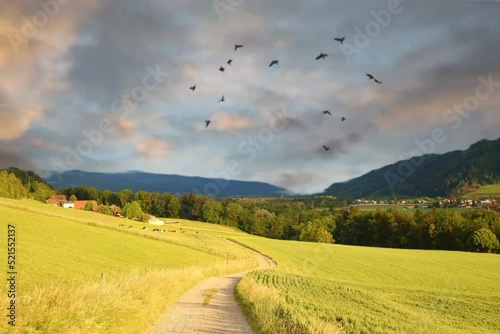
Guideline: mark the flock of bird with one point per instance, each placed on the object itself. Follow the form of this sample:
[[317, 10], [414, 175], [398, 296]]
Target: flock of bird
[[276, 62]]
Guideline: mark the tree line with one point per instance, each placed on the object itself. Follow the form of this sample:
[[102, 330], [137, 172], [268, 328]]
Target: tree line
[[308, 218], [319, 219]]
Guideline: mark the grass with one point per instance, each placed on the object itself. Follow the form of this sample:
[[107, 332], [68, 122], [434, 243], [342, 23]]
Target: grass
[[487, 191], [61, 254], [208, 294], [325, 288]]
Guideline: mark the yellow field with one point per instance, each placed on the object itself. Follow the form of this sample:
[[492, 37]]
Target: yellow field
[[61, 255]]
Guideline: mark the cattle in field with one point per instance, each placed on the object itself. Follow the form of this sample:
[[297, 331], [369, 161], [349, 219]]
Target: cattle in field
[[145, 228], [130, 226], [156, 230], [121, 225], [162, 230], [173, 231], [183, 231]]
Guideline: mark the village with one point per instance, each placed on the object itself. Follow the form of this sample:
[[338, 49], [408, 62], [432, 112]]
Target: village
[[485, 203]]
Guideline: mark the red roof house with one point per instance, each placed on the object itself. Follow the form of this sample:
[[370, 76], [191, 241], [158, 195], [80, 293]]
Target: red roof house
[[56, 199], [81, 205]]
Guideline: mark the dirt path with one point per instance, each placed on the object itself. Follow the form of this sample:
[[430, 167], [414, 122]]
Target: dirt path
[[223, 313]]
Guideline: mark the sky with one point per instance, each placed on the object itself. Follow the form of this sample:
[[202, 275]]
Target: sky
[[103, 85]]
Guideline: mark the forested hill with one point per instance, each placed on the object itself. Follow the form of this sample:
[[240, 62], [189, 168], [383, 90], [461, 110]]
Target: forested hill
[[431, 175], [137, 181]]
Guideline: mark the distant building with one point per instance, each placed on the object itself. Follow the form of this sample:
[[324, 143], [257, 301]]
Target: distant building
[[81, 205], [56, 199], [70, 205], [117, 212]]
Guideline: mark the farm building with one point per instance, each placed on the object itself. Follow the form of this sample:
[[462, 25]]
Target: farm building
[[56, 199], [81, 205], [117, 212], [68, 205]]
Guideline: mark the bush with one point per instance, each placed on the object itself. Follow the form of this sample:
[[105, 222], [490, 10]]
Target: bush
[[483, 240]]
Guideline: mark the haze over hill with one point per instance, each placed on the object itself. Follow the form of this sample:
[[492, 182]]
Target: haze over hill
[[136, 181], [452, 173]]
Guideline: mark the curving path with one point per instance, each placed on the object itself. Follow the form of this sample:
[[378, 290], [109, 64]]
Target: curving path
[[223, 313]]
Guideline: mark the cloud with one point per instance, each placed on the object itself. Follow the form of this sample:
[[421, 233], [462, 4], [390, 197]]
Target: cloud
[[225, 122], [15, 121], [151, 148], [45, 145]]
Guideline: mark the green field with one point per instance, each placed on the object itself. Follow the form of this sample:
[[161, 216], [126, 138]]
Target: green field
[[317, 288], [61, 255], [324, 288], [488, 191]]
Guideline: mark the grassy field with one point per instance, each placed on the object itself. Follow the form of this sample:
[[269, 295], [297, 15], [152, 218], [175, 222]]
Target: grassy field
[[62, 254], [320, 288], [488, 191]]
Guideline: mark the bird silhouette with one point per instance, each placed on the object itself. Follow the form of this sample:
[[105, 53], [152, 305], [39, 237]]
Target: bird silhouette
[[343, 118], [222, 99], [371, 77], [229, 61], [207, 122], [327, 112], [193, 88], [341, 40], [326, 148], [221, 69], [237, 46], [379, 82], [274, 62], [322, 55]]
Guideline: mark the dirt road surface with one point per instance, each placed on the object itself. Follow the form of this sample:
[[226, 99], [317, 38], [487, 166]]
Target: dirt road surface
[[223, 314]]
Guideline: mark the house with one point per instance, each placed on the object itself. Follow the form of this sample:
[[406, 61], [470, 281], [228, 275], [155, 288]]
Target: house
[[117, 212], [81, 205], [70, 205], [56, 199]]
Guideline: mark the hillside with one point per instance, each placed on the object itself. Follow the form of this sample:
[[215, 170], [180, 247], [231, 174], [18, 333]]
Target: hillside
[[136, 181], [450, 174]]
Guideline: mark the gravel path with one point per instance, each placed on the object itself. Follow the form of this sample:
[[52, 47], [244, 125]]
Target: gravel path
[[223, 313]]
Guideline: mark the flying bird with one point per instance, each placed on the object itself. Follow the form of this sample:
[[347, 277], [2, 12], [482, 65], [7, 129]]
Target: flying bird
[[343, 118], [274, 62], [379, 82], [221, 69], [322, 55], [193, 88], [327, 112], [207, 122], [229, 61], [371, 77], [237, 46], [222, 99], [341, 40], [326, 148]]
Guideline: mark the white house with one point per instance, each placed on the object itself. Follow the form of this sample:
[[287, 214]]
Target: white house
[[68, 205]]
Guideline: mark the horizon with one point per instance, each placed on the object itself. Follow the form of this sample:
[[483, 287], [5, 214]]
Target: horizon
[[68, 84]]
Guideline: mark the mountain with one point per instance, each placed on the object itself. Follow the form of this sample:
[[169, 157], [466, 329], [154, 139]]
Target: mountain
[[136, 180], [431, 175]]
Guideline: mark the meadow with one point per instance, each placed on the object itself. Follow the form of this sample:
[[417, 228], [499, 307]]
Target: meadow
[[487, 191], [327, 288], [62, 255]]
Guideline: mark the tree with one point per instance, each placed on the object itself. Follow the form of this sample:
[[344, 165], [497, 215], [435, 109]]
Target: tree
[[125, 196], [88, 206], [133, 211], [105, 210], [483, 240], [234, 213], [315, 232], [174, 207], [72, 198]]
